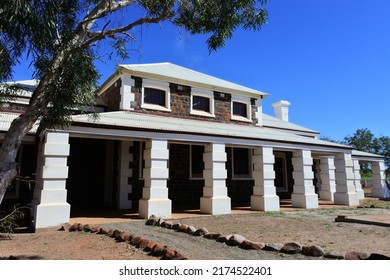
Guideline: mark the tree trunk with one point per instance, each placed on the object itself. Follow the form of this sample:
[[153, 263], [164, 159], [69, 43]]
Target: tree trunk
[[9, 149], [15, 134]]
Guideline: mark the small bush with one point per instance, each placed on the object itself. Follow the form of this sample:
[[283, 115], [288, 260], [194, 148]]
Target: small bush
[[9, 222]]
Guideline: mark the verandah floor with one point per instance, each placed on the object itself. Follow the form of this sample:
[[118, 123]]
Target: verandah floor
[[102, 216]]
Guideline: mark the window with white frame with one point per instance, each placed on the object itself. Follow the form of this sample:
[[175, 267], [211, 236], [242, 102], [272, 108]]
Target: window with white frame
[[240, 162], [155, 95], [241, 109], [197, 164], [202, 102]]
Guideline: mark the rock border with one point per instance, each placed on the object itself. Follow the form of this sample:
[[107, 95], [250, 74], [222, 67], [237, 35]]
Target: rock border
[[243, 243], [152, 248]]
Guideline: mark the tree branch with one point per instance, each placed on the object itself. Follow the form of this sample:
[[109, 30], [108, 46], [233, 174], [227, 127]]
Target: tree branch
[[97, 36], [101, 10]]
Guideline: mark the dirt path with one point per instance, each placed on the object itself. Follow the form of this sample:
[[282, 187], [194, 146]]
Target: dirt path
[[310, 227]]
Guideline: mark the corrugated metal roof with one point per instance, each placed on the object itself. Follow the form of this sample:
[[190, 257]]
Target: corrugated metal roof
[[281, 124], [163, 123], [6, 119], [365, 154], [177, 74]]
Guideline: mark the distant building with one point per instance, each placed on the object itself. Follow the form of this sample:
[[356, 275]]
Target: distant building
[[170, 138]]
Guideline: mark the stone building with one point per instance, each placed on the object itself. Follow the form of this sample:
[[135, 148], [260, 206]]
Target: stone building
[[169, 138]]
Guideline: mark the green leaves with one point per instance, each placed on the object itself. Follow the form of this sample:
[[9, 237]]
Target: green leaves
[[364, 140], [220, 18], [60, 37]]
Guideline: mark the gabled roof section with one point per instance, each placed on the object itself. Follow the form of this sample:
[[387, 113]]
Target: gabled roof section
[[273, 122], [177, 74]]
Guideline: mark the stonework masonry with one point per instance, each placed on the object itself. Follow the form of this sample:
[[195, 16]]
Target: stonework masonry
[[180, 102], [111, 97]]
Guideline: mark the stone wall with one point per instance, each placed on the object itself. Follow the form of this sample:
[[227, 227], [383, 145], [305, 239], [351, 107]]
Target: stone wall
[[111, 97], [185, 193], [180, 102]]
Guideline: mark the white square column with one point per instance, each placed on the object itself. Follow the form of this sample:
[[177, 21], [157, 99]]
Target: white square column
[[154, 199], [379, 188], [264, 196], [358, 183], [215, 200], [126, 158], [345, 181], [49, 206], [328, 178], [303, 195]]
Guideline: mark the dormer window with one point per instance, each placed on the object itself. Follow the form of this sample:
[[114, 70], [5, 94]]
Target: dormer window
[[241, 109], [202, 102], [155, 95]]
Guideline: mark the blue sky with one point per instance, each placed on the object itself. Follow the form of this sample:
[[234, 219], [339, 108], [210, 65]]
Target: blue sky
[[330, 59]]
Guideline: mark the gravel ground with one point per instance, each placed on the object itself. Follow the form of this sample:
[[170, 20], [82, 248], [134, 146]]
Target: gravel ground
[[197, 248], [309, 227]]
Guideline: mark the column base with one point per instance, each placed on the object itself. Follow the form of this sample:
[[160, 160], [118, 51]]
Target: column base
[[380, 193], [215, 205], [350, 199], [307, 201], [160, 208], [265, 203], [360, 194], [326, 195], [51, 215]]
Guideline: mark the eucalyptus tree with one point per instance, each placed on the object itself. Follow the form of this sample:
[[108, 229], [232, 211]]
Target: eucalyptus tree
[[62, 38]]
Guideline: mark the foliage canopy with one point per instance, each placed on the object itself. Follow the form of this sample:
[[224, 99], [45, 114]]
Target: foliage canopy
[[61, 39]]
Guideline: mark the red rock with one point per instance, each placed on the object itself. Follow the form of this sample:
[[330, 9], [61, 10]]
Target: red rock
[[62, 228], [151, 221], [273, 247], [95, 229], [87, 228], [74, 227], [110, 232], [176, 226], [169, 254], [166, 224], [158, 250], [224, 238], [313, 251], [159, 222], [116, 233], [191, 230], [201, 232], [291, 248], [102, 231], [136, 240], [333, 256], [354, 255], [235, 240], [148, 245], [251, 245], [183, 228], [213, 236], [122, 237], [375, 256]]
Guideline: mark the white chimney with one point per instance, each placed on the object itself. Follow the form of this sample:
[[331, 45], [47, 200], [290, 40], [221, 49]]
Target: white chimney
[[281, 109]]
